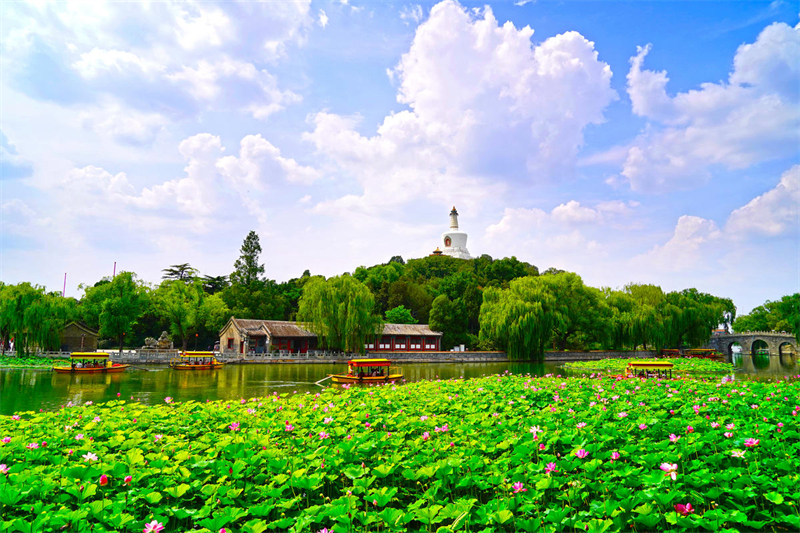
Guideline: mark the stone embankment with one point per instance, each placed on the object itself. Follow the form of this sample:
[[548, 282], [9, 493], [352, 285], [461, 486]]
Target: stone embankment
[[163, 357]]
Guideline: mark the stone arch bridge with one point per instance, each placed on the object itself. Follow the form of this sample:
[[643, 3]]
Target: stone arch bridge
[[781, 345]]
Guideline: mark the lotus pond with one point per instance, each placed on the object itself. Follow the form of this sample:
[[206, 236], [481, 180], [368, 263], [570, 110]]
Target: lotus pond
[[499, 453], [680, 365]]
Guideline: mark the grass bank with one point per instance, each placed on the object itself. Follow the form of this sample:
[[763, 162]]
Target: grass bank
[[25, 362], [502, 453]]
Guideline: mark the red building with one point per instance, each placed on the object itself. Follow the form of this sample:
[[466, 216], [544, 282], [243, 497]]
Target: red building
[[406, 338]]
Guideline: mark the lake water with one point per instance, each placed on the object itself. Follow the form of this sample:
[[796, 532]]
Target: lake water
[[28, 389]]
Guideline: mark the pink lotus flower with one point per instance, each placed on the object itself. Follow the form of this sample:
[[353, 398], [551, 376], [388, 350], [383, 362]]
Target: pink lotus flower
[[32, 445], [730, 426], [623, 415], [103, 480], [426, 436], [443, 429], [96, 419], [581, 425], [168, 399], [367, 424], [423, 418], [15, 417], [79, 436], [234, 426], [614, 456], [158, 438], [673, 437], [685, 510], [738, 453], [541, 446], [89, 457], [669, 470], [6, 440], [581, 454], [715, 425], [153, 527], [327, 420], [3, 469], [689, 429], [323, 435], [751, 442], [642, 426], [551, 467], [518, 487], [128, 480], [728, 434], [288, 427]]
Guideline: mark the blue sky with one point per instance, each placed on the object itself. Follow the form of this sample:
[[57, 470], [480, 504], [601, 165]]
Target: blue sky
[[652, 142]]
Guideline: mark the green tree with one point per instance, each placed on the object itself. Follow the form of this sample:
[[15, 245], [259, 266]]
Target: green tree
[[215, 284], [179, 304], [779, 315], [115, 306], [400, 315], [182, 272], [247, 270], [584, 314], [449, 317], [341, 311], [522, 318]]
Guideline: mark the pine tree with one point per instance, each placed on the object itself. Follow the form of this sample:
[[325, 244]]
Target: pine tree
[[247, 269]]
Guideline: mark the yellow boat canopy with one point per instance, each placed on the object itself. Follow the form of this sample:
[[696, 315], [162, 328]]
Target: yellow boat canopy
[[368, 362], [197, 354], [651, 365], [89, 355]]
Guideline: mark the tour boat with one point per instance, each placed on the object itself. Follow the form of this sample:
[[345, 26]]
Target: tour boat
[[369, 371], [90, 363], [195, 361], [647, 367]]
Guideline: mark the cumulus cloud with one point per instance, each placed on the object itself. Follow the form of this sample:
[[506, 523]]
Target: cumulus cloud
[[323, 18], [125, 126], [774, 213], [752, 117], [12, 165], [483, 103], [147, 57]]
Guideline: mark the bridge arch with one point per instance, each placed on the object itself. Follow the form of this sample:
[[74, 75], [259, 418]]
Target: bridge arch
[[787, 353]]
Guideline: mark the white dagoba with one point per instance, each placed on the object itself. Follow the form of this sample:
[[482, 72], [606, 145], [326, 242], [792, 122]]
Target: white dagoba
[[455, 242]]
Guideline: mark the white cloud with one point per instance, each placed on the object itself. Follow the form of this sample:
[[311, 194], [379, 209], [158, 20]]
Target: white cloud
[[99, 62], [775, 212], [412, 13], [204, 27], [752, 118], [125, 126], [683, 250], [484, 102], [323, 18]]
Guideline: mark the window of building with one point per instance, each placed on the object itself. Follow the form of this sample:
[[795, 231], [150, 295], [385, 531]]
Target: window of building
[[230, 344]]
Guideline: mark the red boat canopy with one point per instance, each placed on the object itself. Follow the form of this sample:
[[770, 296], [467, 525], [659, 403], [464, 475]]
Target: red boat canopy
[[360, 363]]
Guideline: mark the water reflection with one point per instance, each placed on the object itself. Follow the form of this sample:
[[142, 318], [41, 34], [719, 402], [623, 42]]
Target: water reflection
[[25, 389]]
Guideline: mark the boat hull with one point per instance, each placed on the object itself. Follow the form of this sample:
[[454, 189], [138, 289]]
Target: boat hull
[[105, 370], [211, 366], [345, 378]]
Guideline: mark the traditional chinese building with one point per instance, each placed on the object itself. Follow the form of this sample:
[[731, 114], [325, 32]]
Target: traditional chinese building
[[77, 337], [262, 336], [406, 338]]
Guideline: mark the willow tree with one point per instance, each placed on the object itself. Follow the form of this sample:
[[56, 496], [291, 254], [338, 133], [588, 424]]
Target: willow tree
[[522, 318], [115, 305], [341, 311]]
